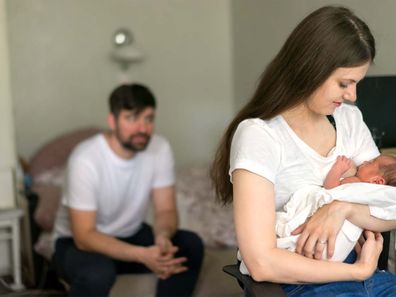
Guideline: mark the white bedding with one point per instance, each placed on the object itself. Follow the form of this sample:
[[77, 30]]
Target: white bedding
[[380, 198]]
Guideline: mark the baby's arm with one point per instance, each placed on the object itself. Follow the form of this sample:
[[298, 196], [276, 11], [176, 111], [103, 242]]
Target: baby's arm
[[341, 166], [351, 179]]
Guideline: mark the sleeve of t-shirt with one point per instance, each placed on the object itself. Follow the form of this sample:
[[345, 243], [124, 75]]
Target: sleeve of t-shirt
[[80, 190], [365, 148], [164, 174], [254, 148]]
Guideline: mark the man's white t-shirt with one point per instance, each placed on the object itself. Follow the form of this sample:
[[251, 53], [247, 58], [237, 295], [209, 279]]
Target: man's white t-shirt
[[273, 150], [118, 190]]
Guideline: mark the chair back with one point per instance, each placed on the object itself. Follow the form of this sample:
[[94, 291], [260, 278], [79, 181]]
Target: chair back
[[251, 287]]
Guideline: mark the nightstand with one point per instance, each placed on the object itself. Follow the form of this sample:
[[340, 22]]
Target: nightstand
[[9, 221]]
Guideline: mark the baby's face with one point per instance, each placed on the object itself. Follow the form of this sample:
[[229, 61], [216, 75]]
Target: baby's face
[[369, 169]]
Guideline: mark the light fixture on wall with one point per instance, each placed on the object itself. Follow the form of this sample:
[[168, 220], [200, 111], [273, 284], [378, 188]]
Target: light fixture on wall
[[123, 51]]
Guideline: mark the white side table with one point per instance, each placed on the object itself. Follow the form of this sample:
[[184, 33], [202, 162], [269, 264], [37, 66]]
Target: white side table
[[9, 220]]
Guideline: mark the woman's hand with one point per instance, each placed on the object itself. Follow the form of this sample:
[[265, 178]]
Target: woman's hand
[[321, 230], [368, 248]]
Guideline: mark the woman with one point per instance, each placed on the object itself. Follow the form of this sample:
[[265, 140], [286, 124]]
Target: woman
[[282, 140]]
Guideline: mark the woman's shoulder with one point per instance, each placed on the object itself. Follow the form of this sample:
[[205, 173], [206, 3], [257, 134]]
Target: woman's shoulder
[[260, 126], [258, 133], [257, 147]]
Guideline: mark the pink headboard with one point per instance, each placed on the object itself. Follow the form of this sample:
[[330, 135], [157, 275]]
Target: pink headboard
[[54, 154]]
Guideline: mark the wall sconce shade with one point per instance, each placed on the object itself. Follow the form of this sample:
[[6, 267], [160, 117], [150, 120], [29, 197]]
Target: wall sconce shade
[[123, 51]]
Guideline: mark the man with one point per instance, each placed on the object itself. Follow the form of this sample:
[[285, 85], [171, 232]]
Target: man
[[110, 179]]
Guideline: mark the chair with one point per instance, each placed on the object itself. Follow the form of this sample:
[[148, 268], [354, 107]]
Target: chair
[[384, 257], [251, 287], [9, 225]]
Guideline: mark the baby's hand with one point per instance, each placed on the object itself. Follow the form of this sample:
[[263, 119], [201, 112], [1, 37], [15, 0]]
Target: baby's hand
[[342, 164]]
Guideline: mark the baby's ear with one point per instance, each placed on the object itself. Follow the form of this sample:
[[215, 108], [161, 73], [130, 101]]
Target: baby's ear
[[379, 180]]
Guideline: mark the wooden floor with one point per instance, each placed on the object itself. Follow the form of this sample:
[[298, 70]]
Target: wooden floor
[[34, 293], [5, 291]]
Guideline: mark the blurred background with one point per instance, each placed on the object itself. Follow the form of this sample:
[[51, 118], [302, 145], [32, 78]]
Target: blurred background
[[202, 59]]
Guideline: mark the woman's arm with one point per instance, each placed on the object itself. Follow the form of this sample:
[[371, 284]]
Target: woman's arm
[[254, 212], [325, 225], [359, 214]]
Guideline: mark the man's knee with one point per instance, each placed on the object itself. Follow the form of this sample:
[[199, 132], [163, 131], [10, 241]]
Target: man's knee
[[93, 282], [104, 278], [189, 243], [188, 238], [88, 274]]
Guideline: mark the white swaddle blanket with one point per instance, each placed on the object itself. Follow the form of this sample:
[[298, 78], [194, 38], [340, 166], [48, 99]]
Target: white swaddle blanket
[[381, 200]]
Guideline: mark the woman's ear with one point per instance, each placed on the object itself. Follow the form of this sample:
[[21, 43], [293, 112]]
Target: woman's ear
[[379, 180]]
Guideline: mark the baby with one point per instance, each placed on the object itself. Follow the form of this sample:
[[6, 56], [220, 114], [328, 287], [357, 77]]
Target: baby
[[381, 170], [304, 202]]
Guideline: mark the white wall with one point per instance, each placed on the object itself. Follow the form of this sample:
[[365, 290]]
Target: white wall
[[203, 60], [62, 76], [7, 139], [261, 27]]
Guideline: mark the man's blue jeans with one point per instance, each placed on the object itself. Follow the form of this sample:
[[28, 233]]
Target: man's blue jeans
[[92, 275], [381, 283]]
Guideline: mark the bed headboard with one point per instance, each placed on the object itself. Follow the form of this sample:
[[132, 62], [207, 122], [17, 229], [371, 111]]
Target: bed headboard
[[376, 98]]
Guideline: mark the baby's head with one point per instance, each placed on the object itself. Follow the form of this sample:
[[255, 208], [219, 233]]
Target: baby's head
[[381, 170]]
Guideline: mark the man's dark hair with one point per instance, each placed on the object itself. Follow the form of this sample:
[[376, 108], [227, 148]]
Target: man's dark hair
[[134, 97]]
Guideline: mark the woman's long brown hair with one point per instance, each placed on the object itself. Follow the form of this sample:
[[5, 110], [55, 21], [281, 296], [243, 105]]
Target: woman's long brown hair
[[328, 38]]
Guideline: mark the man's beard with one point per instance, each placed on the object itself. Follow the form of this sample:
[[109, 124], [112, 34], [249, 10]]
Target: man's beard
[[130, 145]]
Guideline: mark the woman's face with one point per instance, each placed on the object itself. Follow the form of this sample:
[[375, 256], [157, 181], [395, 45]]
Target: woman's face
[[340, 86]]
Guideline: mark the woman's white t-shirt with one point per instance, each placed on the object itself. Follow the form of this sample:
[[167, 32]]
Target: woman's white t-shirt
[[271, 149]]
